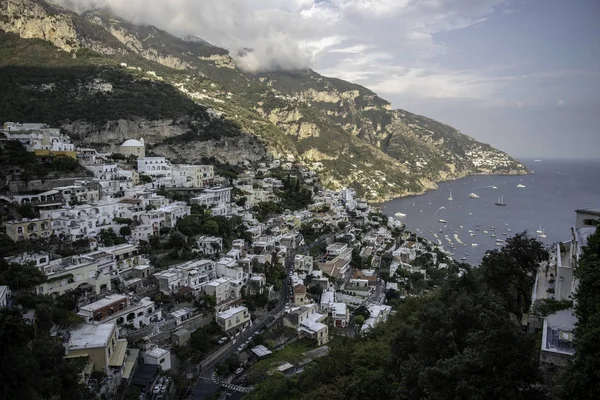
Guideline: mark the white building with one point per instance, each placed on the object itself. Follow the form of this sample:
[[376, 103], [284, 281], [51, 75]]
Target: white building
[[38, 137], [158, 356], [155, 166], [234, 319], [134, 148], [378, 314], [193, 176], [303, 265], [217, 199], [196, 274], [209, 245]]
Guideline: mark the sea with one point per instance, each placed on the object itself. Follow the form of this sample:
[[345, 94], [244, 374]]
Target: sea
[[546, 203]]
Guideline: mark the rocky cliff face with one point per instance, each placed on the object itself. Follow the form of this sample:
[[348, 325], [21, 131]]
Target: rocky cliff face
[[345, 131]]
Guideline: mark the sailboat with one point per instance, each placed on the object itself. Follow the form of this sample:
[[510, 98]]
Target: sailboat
[[500, 201], [450, 198], [543, 234], [473, 196], [539, 230]]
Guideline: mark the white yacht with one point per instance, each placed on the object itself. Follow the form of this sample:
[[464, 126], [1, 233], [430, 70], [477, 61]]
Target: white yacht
[[473, 196], [520, 185]]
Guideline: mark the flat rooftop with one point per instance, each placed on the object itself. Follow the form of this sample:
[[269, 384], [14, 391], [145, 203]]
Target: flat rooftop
[[231, 312], [91, 336], [108, 300], [593, 210]]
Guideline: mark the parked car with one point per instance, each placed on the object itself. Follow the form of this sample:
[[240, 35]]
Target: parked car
[[224, 339], [157, 388], [239, 370]]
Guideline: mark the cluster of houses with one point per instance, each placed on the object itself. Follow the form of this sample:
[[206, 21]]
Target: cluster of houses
[[116, 280]]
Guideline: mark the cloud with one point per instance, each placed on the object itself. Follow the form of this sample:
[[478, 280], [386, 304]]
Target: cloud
[[294, 34]]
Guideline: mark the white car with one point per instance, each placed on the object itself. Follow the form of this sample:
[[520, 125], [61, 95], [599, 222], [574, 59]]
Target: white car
[[239, 371], [157, 388]]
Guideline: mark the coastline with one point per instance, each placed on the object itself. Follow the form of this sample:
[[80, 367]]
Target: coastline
[[378, 202]]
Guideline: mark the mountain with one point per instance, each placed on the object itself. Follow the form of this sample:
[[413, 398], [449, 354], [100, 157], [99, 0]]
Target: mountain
[[103, 79]]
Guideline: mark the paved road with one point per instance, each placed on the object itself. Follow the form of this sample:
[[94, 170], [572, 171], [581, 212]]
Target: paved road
[[205, 387]]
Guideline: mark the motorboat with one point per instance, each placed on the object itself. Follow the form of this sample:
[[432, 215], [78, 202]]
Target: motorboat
[[493, 236], [520, 185], [474, 244], [441, 221], [494, 187], [473, 196], [485, 231], [543, 234], [399, 215]]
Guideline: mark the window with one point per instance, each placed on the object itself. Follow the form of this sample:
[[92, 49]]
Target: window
[[590, 222], [162, 360]]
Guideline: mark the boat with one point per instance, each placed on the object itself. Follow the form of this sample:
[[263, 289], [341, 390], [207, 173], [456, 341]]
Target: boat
[[441, 221], [539, 230], [470, 213], [474, 244], [543, 234], [499, 244], [473, 234], [537, 160], [494, 187], [473, 196], [399, 215], [500, 201], [450, 198], [470, 230], [464, 258], [510, 230], [493, 236], [520, 185], [485, 231]]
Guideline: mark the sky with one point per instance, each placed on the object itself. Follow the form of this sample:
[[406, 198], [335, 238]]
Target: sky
[[522, 75]]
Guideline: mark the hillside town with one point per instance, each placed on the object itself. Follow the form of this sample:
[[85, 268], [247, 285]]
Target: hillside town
[[168, 281], [160, 274]]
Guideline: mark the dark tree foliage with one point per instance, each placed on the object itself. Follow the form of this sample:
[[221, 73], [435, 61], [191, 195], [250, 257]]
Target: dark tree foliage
[[582, 378], [33, 367], [510, 271]]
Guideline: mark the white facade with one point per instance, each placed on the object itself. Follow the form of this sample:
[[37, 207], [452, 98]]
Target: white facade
[[209, 245], [193, 176], [195, 274], [38, 137], [155, 166], [233, 319], [217, 198], [158, 356]]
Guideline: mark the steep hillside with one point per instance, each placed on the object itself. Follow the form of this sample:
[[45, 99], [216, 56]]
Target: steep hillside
[[343, 130]]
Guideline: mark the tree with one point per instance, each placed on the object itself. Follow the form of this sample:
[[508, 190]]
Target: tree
[[125, 231], [510, 271], [359, 320], [177, 240]]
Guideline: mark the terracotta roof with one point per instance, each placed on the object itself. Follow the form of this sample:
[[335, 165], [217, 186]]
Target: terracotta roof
[[130, 201], [299, 289]]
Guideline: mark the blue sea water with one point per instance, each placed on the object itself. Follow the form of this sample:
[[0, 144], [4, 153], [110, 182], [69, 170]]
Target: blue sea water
[[548, 200]]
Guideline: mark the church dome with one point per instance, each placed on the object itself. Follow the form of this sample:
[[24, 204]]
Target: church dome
[[132, 143]]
